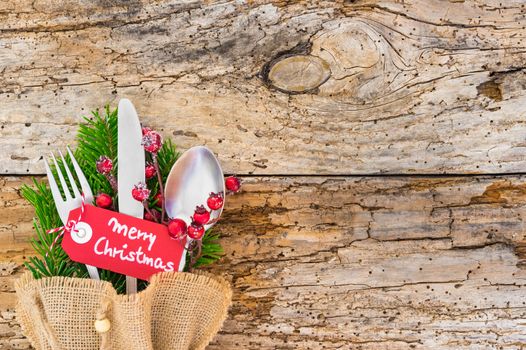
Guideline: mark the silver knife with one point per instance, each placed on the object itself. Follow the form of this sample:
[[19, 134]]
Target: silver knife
[[130, 159]]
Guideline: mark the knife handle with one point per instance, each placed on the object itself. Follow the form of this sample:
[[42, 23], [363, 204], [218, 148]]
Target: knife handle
[[131, 285], [93, 272]]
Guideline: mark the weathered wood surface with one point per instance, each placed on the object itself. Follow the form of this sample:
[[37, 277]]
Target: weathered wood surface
[[399, 86], [306, 88], [372, 263]]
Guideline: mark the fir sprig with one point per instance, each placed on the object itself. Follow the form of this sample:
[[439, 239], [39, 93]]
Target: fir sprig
[[96, 137], [51, 262], [211, 250], [166, 157]]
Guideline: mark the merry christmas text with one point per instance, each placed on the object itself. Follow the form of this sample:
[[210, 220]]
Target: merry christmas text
[[132, 232]]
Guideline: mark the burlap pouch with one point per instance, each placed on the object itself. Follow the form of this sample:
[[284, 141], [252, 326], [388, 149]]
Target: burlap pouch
[[176, 311]]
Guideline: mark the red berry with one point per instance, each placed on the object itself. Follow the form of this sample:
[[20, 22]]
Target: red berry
[[149, 171], [152, 141], [201, 215], [140, 192], [103, 200], [159, 198], [177, 228], [155, 217], [233, 183], [215, 201], [104, 165], [145, 130], [196, 231]]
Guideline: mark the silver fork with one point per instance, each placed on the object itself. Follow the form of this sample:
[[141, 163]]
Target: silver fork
[[74, 200]]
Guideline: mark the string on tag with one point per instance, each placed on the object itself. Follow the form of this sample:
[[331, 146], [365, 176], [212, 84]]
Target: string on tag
[[69, 227]]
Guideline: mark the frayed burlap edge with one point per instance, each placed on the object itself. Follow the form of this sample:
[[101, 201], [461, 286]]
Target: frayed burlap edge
[[27, 285], [206, 278], [31, 319]]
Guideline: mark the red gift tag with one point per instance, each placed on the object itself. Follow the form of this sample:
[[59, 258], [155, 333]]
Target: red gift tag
[[121, 243]]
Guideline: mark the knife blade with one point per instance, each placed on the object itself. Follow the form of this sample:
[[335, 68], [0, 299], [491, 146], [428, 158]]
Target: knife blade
[[131, 164]]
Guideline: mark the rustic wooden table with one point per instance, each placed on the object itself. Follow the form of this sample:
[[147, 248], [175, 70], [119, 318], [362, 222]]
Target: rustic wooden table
[[382, 145]]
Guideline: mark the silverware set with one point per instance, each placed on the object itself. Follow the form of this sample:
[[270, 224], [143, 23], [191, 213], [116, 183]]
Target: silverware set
[[191, 180]]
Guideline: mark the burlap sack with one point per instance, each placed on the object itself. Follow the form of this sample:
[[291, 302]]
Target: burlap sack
[[176, 311]]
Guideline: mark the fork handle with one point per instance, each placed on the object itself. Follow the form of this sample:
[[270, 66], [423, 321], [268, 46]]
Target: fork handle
[[93, 272]]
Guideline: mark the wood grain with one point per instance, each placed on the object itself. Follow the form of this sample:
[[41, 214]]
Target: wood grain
[[334, 90], [415, 86], [361, 262]]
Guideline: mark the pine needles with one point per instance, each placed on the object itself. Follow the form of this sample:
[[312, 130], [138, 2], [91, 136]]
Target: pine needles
[[51, 262], [97, 137]]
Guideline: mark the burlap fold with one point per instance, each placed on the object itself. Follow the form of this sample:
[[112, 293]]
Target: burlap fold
[[176, 311]]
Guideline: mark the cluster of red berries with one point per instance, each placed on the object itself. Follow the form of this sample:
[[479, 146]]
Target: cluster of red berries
[[177, 228], [104, 166]]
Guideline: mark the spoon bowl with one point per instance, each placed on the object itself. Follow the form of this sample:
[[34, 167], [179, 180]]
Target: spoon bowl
[[193, 177]]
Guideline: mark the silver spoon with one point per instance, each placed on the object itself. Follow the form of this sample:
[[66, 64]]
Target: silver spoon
[[193, 177]]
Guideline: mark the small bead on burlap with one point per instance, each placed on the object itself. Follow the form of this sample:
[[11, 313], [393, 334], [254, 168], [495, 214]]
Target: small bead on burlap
[[176, 311]]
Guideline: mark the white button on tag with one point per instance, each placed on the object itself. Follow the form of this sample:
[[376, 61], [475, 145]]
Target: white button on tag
[[81, 233]]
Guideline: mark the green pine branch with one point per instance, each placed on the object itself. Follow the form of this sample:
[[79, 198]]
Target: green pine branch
[[211, 250], [51, 261], [166, 157], [96, 137]]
